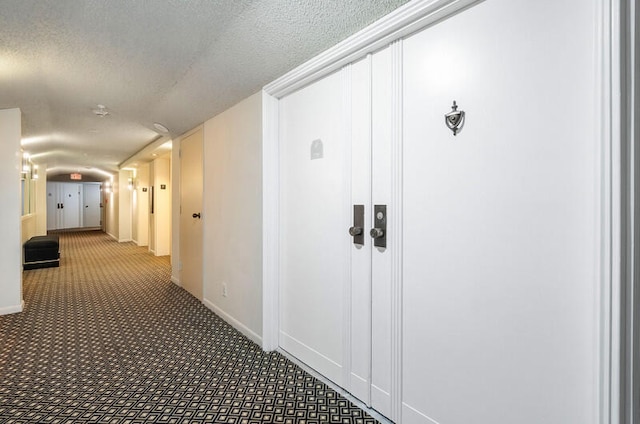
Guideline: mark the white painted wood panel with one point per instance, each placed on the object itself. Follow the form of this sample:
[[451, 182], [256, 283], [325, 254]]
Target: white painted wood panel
[[360, 381], [500, 221], [381, 257], [314, 219]]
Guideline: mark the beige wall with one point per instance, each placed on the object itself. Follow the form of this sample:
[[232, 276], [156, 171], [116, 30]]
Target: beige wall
[[41, 201], [28, 227], [233, 215], [10, 242], [35, 224]]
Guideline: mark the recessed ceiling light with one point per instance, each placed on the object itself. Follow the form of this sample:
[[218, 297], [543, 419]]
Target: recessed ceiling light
[[160, 127]]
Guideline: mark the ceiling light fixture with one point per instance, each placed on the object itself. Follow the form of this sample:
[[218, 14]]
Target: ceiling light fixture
[[161, 128], [101, 111]]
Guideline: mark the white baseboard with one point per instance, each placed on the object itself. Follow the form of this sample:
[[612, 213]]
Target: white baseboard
[[176, 281], [234, 322], [112, 236], [124, 240], [14, 309]]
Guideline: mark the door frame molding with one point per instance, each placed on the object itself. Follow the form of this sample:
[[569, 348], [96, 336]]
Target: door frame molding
[[417, 15], [628, 17]]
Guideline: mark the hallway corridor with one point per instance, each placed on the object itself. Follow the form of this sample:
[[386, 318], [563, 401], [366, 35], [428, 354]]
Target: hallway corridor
[[106, 337]]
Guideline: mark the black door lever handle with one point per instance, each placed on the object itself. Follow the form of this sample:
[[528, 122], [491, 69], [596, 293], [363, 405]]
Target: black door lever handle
[[196, 215]]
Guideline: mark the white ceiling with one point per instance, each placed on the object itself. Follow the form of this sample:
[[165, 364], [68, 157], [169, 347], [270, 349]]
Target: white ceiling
[[177, 62]]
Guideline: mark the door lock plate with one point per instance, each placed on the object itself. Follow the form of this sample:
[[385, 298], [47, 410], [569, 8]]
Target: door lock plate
[[357, 231], [379, 230]]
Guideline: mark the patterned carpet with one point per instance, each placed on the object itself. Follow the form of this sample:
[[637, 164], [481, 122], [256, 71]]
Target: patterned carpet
[[107, 338]]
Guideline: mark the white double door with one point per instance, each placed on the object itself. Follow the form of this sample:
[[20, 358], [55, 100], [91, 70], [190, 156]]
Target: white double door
[[335, 304], [482, 306], [64, 205]]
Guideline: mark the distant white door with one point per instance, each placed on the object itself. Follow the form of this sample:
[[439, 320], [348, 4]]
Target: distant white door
[[191, 186], [71, 205], [54, 213], [91, 200], [500, 220]]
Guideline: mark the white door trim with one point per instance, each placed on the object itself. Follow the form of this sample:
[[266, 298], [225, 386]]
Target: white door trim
[[609, 99], [408, 19], [630, 314]]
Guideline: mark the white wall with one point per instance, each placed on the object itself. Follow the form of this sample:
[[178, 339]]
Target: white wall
[[233, 215], [10, 242]]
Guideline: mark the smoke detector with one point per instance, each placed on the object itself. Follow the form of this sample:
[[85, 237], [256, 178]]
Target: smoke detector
[[101, 111], [161, 128]]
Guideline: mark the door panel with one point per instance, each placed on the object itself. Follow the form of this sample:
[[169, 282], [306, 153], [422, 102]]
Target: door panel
[[497, 226], [314, 219], [381, 257], [359, 384], [91, 202], [191, 187], [53, 206], [71, 202]]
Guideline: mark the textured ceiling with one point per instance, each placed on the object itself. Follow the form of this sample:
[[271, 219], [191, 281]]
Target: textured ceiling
[[177, 62]]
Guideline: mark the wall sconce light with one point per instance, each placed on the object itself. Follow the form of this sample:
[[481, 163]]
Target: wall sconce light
[[35, 172], [26, 166], [107, 187], [130, 184]]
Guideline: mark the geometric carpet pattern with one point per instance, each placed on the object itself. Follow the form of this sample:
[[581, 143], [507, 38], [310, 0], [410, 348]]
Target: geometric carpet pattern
[[108, 338]]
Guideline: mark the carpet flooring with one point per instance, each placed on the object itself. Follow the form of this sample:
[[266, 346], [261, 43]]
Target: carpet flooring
[[107, 338]]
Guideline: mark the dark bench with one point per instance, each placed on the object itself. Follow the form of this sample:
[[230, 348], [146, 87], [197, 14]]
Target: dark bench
[[41, 252]]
